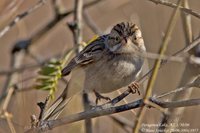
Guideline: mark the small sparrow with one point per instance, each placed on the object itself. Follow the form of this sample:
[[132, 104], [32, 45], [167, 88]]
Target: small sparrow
[[109, 63]]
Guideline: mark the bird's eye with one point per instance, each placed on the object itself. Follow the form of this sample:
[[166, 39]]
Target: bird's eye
[[117, 39], [110, 38]]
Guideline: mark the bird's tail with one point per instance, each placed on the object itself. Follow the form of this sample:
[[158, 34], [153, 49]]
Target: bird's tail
[[57, 107], [74, 86]]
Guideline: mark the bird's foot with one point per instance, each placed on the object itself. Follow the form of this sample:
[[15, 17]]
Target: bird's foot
[[134, 87], [99, 97]]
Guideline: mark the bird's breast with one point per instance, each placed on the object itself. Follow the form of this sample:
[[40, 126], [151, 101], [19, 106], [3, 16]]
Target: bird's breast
[[111, 74]]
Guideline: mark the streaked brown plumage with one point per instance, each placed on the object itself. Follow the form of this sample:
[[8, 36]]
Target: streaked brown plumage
[[108, 63]]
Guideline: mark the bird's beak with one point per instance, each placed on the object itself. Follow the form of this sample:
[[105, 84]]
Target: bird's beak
[[125, 38]]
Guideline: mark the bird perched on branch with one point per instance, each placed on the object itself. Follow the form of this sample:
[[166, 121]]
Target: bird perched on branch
[[108, 63]]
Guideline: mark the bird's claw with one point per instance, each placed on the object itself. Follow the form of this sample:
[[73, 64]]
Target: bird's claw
[[134, 88], [99, 97]]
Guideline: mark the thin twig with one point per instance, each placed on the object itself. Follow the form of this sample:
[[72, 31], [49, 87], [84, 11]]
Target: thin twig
[[19, 69], [177, 104], [11, 80], [4, 112], [43, 107], [173, 5], [10, 9], [35, 57], [88, 122], [78, 11], [109, 109], [16, 61], [125, 101], [48, 27], [10, 124], [194, 83], [157, 65], [96, 112], [178, 53], [29, 66], [8, 98], [190, 59], [187, 23], [188, 74], [86, 5], [88, 20], [77, 32], [21, 16]]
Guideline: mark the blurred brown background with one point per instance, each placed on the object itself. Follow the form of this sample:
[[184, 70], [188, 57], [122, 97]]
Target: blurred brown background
[[151, 18]]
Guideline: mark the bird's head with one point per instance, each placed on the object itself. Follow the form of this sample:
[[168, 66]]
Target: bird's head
[[125, 37]]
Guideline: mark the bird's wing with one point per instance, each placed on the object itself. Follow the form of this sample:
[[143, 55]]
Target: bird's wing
[[90, 53]]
